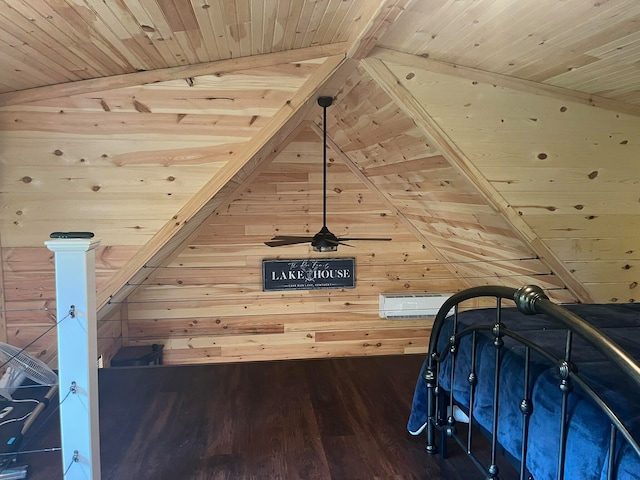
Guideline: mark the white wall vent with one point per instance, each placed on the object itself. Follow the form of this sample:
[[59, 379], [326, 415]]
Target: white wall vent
[[411, 305]]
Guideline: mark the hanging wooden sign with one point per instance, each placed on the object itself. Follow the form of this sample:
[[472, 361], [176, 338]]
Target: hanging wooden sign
[[308, 274]]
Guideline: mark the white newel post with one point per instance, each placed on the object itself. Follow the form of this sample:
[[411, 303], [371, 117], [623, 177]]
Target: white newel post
[[77, 356]]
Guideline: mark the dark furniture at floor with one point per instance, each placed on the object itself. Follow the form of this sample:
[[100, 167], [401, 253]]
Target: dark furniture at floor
[[555, 388], [138, 355]]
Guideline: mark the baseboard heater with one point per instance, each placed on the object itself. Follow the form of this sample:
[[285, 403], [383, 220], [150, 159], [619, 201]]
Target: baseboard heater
[[411, 305]]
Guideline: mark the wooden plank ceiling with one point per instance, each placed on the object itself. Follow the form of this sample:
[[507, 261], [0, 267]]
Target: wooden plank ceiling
[[499, 138]]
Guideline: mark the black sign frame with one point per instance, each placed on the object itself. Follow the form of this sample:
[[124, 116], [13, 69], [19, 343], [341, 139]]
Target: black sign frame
[[308, 274]]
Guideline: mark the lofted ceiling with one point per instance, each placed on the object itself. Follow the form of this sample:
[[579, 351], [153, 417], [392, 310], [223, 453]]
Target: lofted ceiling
[[453, 112]]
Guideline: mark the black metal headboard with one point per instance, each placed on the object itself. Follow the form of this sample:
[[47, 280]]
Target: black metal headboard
[[529, 300]]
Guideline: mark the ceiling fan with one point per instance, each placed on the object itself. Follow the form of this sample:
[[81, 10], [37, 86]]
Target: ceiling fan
[[324, 240]]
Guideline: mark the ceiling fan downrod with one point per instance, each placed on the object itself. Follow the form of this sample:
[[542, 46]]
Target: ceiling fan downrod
[[324, 240], [324, 102]]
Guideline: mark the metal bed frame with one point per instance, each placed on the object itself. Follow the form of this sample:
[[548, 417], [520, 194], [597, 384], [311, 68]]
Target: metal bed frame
[[529, 300]]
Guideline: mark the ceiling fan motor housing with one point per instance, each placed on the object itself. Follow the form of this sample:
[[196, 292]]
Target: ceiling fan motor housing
[[324, 241]]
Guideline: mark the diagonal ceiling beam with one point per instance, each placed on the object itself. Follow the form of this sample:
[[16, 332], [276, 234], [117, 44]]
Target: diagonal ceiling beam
[[219, 203], [407, 102], [172, 73], [388, 203], [501, 80], [381, 16], [200, 206]]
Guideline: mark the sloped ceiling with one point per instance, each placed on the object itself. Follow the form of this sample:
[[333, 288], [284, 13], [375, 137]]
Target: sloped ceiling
[[588, 47], [146, 117], [543, 163], [156, 141]]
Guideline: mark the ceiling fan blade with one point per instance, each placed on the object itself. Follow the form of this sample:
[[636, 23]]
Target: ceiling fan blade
[[283, 240], [294, 238], [284, 243], [373, 239]]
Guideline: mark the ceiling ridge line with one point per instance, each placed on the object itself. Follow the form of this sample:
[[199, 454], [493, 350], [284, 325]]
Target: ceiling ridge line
[[380, 19]]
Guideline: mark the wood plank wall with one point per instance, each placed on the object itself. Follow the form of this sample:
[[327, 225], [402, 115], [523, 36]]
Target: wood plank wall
[[569, 170], [385, 179], [449, 212], [29, 291], [207, 305], [119, 163]]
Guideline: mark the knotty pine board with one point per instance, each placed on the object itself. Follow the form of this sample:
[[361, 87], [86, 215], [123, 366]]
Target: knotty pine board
[[287, 352], [199, 255], [104, 205], [232, 97], [241, 291], [607, 178], [53, 179], [123, 234], [30, 289], [586, 226], [262, 324], [562, 156], [238, 349], [43, 348], [132, 125], [586, 249], [613, 292], [618, 271], [586, 202], [249, 304], [250, 250], [68, 150], [296, 339], [204, 275]]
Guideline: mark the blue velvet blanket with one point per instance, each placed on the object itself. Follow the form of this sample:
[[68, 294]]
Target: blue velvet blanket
[[588, 428]]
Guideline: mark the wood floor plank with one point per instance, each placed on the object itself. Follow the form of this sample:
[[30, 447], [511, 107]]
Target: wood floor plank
[[342, 419]]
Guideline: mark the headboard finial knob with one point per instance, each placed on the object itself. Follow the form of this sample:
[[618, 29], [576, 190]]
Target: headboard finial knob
[[526, 298]]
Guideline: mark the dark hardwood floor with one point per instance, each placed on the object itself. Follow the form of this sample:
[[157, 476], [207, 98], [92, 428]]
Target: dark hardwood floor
[[315, 419]]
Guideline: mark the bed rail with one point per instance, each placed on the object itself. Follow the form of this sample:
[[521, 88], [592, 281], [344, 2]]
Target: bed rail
[[529, 300]]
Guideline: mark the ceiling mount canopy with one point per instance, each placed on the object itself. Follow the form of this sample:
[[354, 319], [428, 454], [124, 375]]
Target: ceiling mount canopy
[[324, 240]]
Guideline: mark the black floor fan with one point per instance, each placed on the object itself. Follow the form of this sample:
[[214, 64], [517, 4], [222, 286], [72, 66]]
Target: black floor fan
[[324, 240]]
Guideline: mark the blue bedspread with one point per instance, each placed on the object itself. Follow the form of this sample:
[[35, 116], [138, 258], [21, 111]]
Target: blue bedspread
[[589, 431]]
